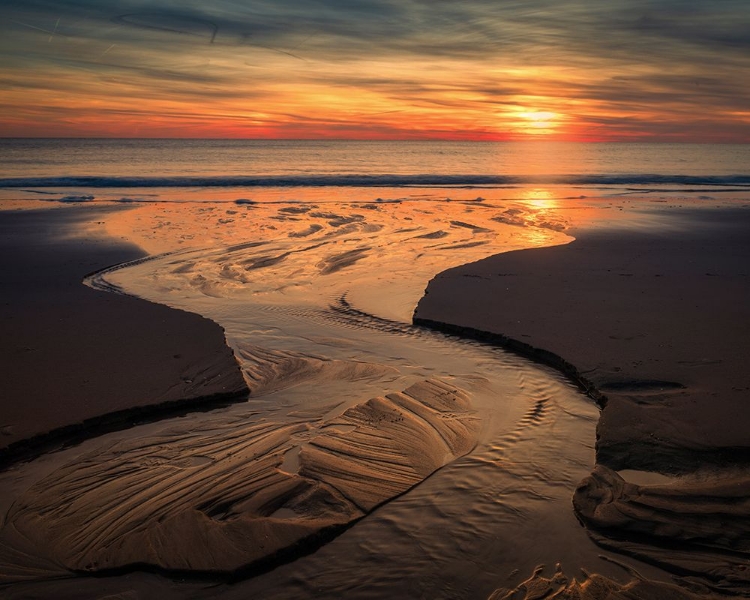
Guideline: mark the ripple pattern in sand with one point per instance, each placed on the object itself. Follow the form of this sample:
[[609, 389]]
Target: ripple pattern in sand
[[459, 477], [215, 497]]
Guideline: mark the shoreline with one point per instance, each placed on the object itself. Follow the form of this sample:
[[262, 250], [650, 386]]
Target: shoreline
[[83, 362]]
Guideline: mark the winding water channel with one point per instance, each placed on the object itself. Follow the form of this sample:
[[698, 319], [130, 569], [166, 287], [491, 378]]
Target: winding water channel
[[317, 310]]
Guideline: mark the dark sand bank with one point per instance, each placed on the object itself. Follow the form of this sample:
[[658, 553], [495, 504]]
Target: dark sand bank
[[658, 320], [71, 353]]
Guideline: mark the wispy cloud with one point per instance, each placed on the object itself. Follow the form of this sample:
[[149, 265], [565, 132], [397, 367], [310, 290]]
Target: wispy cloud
[[401, 68]]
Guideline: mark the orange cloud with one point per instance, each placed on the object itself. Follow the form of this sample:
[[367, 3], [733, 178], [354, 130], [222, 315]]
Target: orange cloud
[[559, 71]]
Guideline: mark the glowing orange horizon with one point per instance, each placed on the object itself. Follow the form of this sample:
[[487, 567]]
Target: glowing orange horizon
[[208, 91]]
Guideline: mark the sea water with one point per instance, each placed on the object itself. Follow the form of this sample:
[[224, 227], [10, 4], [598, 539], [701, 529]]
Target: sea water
[[261, 170]]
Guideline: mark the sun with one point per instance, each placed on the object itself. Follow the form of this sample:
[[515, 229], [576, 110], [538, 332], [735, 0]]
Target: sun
[[537, 122], [539, 119]]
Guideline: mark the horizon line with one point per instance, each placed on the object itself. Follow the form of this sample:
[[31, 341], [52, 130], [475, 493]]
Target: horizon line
[[380, 140]]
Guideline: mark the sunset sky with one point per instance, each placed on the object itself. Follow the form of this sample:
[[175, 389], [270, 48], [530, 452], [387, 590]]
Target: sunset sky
[[661, 70]]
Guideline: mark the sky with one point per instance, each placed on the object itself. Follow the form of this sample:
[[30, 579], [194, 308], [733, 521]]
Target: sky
[[579, 70]]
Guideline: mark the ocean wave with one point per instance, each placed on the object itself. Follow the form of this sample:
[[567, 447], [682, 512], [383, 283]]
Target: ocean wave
[[328, 180]]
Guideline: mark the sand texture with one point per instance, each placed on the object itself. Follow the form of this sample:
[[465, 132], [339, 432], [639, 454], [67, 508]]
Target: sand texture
[[235, 495], [657, 322], [72, 353], [268, 497], [231, 494], [591, 587], [699, 527]]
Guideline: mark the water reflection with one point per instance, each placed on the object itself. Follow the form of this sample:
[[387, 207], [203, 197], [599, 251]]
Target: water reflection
[[540, 198], [381, 254]]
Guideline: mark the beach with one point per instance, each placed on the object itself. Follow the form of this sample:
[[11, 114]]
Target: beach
[[651, 324], [494, 393], [375, 300], [342, 419], [651, 319], [80, 361]]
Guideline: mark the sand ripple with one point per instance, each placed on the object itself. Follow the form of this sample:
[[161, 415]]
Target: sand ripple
[[221, 497], [682, 527], [591, 587]]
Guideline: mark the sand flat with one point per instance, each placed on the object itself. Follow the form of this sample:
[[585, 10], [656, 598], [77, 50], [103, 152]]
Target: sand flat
[[657, 320], [230, 495], [222, 500], [73, 353]]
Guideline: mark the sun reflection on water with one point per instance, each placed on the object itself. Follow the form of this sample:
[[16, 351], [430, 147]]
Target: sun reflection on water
[[540, 198]]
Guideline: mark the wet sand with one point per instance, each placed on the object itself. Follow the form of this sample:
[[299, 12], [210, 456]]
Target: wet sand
[[453, 479], [356, 423], [77, 361], [656, 324]]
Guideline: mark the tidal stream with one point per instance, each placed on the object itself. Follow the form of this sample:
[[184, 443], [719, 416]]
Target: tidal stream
[[462, 497]]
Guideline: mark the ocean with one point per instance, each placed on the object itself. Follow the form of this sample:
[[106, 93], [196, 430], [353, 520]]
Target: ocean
[[139, 170]]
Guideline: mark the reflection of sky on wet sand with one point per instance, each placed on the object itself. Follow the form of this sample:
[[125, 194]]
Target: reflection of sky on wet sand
[[273, 276], [381, 254], [540, 198]]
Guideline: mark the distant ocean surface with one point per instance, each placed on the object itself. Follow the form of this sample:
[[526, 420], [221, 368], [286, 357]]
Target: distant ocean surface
[[263, 170]]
